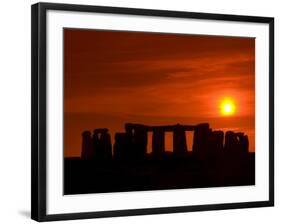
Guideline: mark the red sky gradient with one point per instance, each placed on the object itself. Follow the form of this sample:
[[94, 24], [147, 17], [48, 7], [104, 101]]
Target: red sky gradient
[[113, 77]]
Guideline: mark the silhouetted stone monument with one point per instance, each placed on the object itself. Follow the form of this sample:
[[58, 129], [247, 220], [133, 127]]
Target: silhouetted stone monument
[[87, 149], [218, 159], [139, 135], [132, 145], [179, 141]]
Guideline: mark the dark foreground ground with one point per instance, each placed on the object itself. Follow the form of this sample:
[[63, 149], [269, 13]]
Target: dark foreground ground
[[82, 176]]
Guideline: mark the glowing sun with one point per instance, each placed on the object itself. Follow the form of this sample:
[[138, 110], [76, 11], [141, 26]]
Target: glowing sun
[[227, 107]]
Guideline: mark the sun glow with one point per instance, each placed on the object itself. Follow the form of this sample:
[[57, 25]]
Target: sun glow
[[227, 107]]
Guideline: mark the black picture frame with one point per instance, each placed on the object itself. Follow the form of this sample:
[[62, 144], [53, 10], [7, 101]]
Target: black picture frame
[[38, 108]]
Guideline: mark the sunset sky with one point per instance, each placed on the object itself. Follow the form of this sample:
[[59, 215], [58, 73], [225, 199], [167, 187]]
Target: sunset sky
[[113, 77]]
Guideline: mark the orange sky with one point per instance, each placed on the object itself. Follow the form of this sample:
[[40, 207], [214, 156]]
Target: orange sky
[[113, 77]]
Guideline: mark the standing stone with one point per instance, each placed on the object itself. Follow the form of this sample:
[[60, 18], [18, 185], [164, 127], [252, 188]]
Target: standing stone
[[158, 142], [179, 141], [243, 143], [230, 141], [216, 141], [122, 147], [106, 145], [102, 145], [129, 128], [239, 139], [87, 151], [201, 139], [140, 142]]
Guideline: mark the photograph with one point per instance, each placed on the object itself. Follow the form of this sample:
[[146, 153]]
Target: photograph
[[138, 112], [146, 111]]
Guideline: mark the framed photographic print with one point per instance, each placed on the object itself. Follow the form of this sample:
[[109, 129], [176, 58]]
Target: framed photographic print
[[139, 111]]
